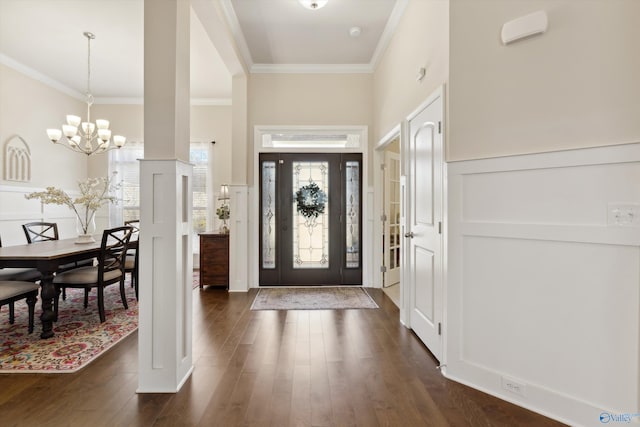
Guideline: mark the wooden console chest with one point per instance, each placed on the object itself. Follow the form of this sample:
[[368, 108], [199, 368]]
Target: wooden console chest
[[214, 260]]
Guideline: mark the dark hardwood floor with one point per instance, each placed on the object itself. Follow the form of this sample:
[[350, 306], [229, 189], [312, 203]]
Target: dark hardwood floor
[[268, 368]]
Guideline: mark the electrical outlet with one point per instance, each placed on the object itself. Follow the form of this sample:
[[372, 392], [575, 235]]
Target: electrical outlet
[[623, 214], [515, 387]]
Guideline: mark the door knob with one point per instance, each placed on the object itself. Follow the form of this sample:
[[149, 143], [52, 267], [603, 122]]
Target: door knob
[[409, 234]]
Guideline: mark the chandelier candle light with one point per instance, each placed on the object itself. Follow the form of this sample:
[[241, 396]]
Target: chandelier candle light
[[87, 137]]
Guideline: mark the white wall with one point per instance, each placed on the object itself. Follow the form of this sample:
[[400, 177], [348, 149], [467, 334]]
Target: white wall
[[541, 288]]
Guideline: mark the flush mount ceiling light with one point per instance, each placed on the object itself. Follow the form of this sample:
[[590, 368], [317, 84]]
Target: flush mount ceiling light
[[313, 4]]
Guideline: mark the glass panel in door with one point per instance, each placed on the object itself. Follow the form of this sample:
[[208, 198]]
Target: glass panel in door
[[310, 209]]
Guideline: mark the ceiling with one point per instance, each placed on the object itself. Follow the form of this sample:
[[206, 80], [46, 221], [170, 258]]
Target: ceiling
[[43, 38]]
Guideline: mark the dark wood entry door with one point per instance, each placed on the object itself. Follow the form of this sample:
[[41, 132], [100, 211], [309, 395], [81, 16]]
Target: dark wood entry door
[[310, 219]]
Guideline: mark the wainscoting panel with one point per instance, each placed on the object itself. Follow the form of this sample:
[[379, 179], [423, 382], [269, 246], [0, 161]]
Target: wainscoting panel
[[15, 210], [543, 299]]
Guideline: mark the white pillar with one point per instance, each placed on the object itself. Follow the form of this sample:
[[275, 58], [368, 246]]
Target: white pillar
[[239, 239], [166, 259], [166, 277]]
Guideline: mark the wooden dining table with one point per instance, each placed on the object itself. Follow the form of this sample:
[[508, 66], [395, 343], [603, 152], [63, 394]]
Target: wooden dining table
[[47, 257]]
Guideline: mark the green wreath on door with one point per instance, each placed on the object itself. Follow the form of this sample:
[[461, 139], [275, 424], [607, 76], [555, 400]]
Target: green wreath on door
[[310, 201]]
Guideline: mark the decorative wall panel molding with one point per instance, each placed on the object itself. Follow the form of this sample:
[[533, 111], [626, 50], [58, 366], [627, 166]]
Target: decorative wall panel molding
[[17, 163], [543, 280]]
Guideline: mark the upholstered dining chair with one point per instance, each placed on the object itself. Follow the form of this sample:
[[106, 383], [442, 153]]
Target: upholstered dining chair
[[40, 231], [131, 263], [18, 283], [22, 274], [15, 290], [110, 269]]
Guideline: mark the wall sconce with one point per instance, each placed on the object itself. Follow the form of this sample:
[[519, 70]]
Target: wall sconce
[[525, 26]]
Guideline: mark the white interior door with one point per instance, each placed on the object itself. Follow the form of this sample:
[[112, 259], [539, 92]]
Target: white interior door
[[423, 238], [392, 218]]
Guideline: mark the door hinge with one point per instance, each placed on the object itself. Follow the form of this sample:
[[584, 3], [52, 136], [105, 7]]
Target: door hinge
[[439, 127], [383, 269], [439, 227], [439, 328], [383, 166], [383, 217]]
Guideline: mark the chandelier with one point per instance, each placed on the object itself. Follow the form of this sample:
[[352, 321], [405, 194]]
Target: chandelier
[[313, 4], [87, 137]]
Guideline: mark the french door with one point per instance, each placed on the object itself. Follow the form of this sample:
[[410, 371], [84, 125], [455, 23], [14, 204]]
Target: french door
[[310, 219]]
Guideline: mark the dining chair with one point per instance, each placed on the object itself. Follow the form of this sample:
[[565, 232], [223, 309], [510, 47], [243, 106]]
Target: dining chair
[[40, 231], [110, 269], [14, 290], [21, 274], [12, 280], [131, 262]]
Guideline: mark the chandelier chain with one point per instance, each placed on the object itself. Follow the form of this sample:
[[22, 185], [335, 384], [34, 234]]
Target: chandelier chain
[[87, 137]]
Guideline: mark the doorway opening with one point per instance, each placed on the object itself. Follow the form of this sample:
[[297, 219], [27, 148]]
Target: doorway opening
[[391, 221], [310, 222], [389, 226]]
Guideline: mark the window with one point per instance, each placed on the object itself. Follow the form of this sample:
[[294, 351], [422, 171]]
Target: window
[[125, 162], [199, 157]]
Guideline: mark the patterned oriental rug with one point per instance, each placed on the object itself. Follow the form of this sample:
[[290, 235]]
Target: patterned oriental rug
[[79, 336], [312, 298]]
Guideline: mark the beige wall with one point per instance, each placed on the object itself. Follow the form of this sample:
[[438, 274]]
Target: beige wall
[[421, 40], [208, 123], [214, 124], [577, 85], [309, 99], [27, 109]]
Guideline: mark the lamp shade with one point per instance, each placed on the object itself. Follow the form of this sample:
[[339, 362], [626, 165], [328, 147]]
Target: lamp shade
[[224, 192]]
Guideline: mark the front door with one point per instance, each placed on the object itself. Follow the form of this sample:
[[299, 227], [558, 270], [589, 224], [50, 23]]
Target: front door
[[423, 236], [310, 219]]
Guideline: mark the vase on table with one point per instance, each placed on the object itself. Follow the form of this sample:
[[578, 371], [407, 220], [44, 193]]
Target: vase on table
[[86, 228]]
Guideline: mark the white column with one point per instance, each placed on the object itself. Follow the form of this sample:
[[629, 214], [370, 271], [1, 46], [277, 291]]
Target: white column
[[239, 239], [166, 277], [166, 259]]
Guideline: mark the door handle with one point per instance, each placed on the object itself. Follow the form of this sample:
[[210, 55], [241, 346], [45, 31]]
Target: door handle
[[409, 234]]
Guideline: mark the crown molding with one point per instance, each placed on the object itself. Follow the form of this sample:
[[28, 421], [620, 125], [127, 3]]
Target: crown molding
[[311, 69], [140, 101], [38, 76], [238, 35], [389, 31], [211, 102], [118, 101]]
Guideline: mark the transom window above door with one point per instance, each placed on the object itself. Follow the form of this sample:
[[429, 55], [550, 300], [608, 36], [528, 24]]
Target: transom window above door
[[307, 137]]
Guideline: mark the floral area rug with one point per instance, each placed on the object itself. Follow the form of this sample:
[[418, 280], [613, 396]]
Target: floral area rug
[[312, 298], [79, 336]]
